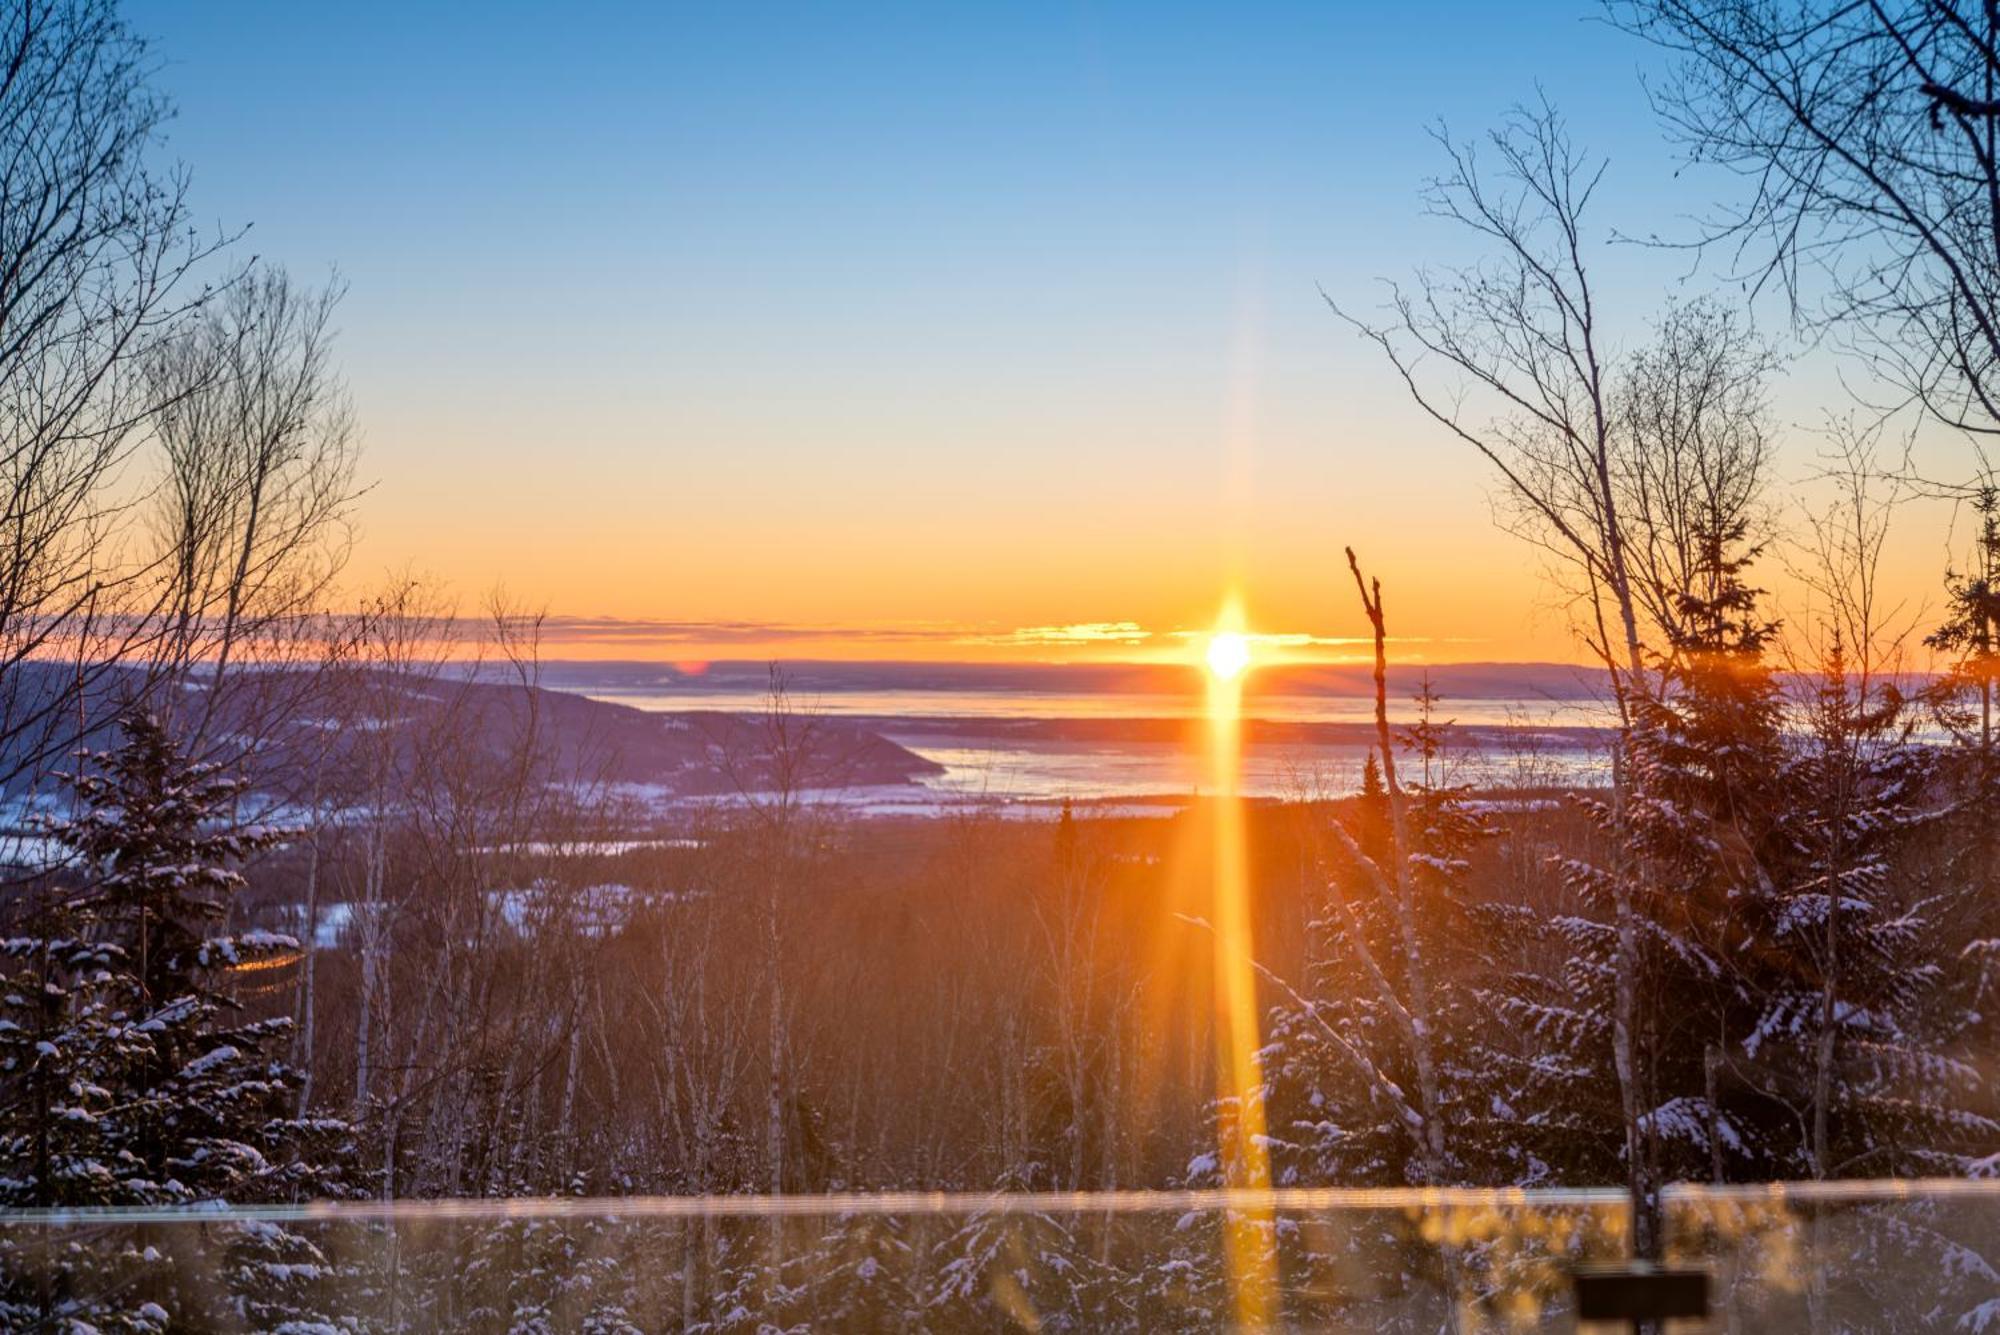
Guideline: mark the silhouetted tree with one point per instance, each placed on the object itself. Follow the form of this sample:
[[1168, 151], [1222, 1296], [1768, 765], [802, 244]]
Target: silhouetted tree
[[100, 263], [1864, 138]]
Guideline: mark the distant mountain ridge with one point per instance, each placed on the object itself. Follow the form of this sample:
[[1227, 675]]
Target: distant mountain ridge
[[808, 677], [270, 726]]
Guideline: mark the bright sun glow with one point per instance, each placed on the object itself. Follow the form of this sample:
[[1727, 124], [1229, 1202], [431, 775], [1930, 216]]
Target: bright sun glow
[[1228, 654]]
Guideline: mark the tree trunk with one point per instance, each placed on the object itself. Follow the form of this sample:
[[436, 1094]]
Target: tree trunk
[[309, 976]]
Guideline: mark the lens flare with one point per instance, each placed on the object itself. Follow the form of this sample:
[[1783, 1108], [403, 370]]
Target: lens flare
[[1249, 1236]]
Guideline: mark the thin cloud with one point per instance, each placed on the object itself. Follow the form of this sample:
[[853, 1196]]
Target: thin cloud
[[1081, 632], [640, 630]]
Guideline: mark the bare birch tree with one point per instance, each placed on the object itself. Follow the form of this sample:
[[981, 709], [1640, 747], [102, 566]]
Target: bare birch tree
[[773, 770], [1693, 448], [399, 657], [259, 448], [97, 267], [1511, 358], [1867, 138]]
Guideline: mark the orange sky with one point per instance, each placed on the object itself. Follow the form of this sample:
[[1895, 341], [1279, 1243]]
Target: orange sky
[[712, 557], [952, 580]]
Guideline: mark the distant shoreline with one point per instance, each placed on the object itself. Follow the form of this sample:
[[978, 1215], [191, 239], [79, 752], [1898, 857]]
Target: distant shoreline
[[1464, 681], [1255, 731]]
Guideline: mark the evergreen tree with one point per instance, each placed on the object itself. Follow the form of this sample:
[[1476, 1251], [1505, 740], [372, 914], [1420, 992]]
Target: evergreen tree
[[1427, 739], [1705, 756], [65, 1044], [865, 1276], [1326, 1126], [1698, 835], [130, 1076], [1962, 698], [1031, 1270], [1339, 1062], [539, 1275], [1845, 1045], [68, 1049], [1371, 826]]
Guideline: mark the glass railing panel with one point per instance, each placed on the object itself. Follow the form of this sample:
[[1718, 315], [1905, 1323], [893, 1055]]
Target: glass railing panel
[[1850, 1256]]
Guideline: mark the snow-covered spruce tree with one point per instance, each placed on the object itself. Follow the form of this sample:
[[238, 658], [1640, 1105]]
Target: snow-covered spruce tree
[[1330, 1128], [1029, 1271], [865, 1276], [66, 1043], [1701, 829], [1344, 1090], [167, 1097], [1851, 1044], [1706, 753], [540, 1275], [1327, 1126], [1552, 986], [1859, 1048], [1961, 698]]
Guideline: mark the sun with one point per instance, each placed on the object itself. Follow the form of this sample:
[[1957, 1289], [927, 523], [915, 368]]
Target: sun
[[1228, 654]]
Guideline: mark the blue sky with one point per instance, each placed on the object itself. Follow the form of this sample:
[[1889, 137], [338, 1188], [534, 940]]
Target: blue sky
[[1003, 315]]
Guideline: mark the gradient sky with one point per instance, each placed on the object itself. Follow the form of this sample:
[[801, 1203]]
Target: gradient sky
[[893, 331]]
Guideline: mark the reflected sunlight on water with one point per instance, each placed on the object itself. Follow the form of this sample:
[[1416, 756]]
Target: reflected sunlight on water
[[1044, 746]]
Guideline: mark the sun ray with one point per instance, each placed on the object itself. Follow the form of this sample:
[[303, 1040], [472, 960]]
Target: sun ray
[[1249, 1237]]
